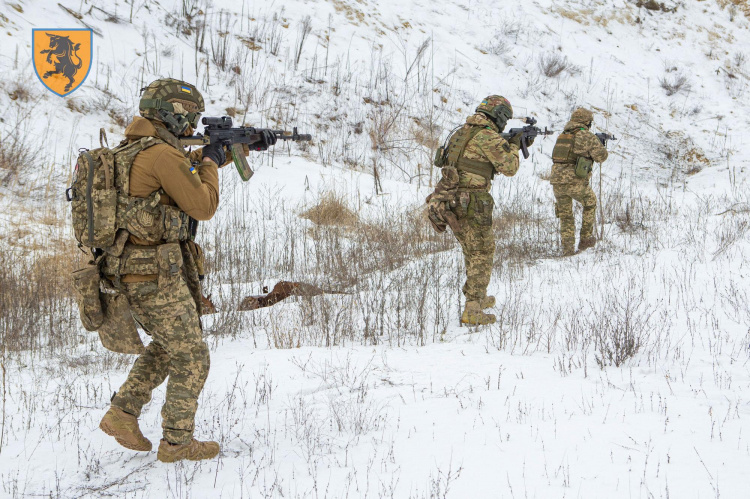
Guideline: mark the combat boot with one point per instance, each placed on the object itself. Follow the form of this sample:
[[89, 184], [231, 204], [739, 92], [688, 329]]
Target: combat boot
[[487, 302], [586, 243], [124, 427], [474, 316], [194, 451]]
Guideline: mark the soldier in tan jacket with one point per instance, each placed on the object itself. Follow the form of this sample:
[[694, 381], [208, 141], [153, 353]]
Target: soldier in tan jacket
[[162, 281]]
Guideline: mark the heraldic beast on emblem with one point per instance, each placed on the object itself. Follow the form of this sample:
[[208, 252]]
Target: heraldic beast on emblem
[[63, 49]]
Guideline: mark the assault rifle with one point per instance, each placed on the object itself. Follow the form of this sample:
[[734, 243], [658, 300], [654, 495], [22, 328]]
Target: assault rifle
[[528, 132], [220, 130], [604, 137]]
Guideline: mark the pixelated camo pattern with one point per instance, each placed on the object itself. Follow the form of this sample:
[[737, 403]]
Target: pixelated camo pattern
[[166, 310], [568, 187]]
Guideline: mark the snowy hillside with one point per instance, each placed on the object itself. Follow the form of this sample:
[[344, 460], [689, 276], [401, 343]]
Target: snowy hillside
[[620, 372]]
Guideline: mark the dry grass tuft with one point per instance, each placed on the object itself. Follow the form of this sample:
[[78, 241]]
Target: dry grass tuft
[[673, 84], [16, 153], [331, 210]]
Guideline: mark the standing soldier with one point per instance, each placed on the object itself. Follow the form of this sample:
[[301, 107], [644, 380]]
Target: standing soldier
[[470, 160], [575, 151], [157, 270]]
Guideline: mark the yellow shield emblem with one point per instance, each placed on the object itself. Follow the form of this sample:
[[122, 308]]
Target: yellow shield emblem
[[62, 57]]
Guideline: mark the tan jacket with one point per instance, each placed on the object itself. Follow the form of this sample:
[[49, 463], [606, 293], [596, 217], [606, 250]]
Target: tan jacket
[[195, 190]]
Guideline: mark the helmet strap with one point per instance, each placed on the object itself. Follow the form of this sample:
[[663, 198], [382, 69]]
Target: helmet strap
[[177, 124]]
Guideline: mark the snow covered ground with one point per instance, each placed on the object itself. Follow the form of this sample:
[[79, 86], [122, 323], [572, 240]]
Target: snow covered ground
[[620, 372]]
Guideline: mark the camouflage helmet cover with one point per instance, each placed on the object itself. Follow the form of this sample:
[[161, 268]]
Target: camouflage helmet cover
[[582, 115], [164, 92], [496, 107]]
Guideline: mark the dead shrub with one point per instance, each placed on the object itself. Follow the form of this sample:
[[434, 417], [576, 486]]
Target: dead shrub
[[77, 105], [425, 134], [653, 5], [19, 92], [331, 210], [554, 64], [621, 326], [675, 83], [495, 46]]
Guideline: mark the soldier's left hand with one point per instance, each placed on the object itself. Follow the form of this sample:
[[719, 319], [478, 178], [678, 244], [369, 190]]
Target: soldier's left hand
[[516, 140]]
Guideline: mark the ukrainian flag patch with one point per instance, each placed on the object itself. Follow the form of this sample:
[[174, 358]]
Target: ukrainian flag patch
[[193, 170], [186, 90]]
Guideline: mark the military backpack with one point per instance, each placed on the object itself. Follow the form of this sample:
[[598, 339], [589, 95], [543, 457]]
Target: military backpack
[[101, 205], [104, 215]]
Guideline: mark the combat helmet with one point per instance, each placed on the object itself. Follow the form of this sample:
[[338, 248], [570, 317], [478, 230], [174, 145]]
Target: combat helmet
[[176, 103], [497, 108], [582, 115]]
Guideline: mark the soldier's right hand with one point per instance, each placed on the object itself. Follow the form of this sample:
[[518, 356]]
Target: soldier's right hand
[[215, 152]]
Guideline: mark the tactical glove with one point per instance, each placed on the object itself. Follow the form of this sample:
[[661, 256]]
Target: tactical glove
[[215, 152], [267, 138], [516, 140]]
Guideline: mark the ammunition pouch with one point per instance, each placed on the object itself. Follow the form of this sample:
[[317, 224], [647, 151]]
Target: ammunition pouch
[[86, 281], [164, 260], [147, 219], [583, 167], [118, 332], [463, 200], [439, 159], [563, 150], [169, 261]]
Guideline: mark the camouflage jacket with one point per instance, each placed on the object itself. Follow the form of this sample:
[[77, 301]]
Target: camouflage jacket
[[586, 144], [488, 146]]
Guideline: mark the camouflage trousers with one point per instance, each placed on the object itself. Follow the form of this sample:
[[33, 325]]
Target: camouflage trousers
[[564, 196], [474, 214], [166, 311]]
